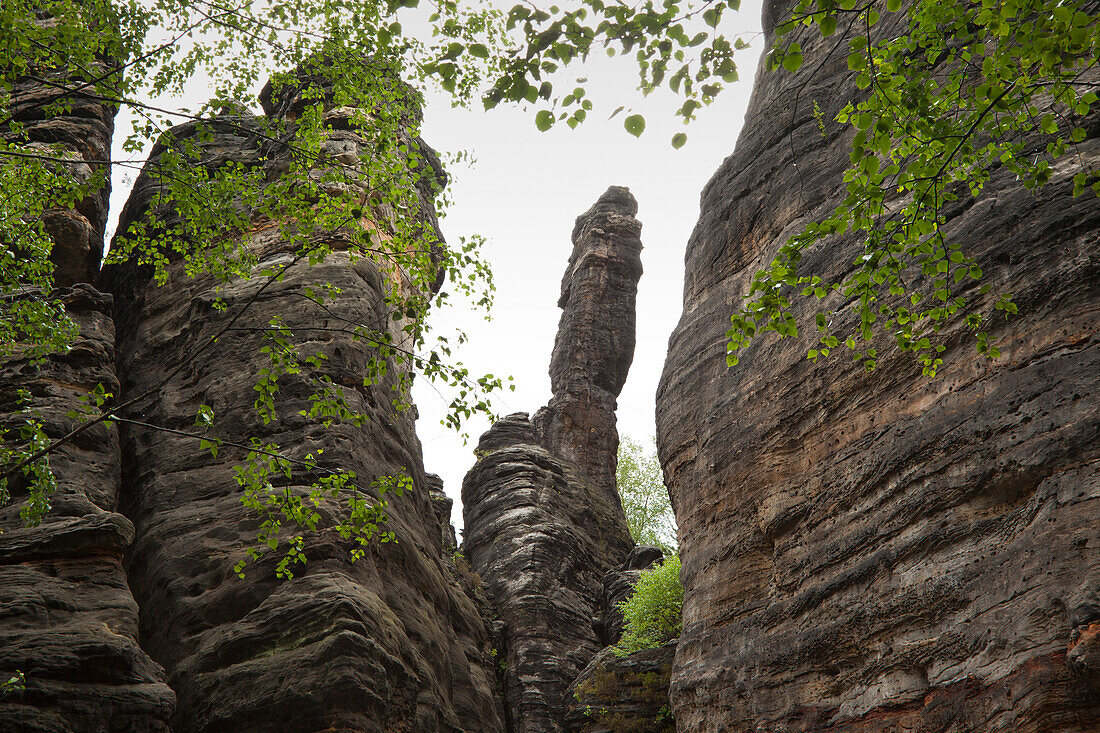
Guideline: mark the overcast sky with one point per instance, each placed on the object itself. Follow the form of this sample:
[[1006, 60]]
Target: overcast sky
[[523, 194]]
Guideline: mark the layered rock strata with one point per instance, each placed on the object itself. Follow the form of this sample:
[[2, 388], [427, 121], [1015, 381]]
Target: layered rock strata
[[389, 643], [78, 139], [882, 551], [542, 518], [68, 621]]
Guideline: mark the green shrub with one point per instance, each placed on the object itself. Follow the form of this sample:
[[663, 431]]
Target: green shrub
[[651, 616]]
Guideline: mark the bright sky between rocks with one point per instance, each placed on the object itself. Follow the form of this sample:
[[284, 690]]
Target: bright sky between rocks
[[522, 194]]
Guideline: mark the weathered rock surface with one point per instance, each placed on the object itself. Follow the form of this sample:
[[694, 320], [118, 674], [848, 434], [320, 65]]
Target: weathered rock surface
[[542, 518], [389, 643], [68, 620], [627, 694], [442, 506], [81, 137], [885, 552]]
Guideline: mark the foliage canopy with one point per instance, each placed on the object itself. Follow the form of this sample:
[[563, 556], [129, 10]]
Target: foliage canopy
[[651, 616], [954, 91], [645, 499]]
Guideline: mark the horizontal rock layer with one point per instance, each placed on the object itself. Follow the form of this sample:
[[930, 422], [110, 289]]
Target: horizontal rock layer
[[885, 552]]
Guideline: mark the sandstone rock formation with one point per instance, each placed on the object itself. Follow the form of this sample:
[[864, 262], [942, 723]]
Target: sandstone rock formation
[[81, 137], [389, 643], [543, 521], [68, 620], [595, 341], [885, 552]]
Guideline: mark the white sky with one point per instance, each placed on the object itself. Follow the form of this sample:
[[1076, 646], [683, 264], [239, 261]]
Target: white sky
[[523, 194]]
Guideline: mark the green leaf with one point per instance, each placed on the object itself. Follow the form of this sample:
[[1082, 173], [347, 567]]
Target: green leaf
[[792, 60], [635, 125], [678, 140]]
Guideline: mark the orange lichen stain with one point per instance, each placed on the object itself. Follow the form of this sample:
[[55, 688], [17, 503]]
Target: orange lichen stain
[[1085, 640]]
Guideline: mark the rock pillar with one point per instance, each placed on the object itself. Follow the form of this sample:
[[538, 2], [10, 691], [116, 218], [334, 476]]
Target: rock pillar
[[543, 521], [387, 643]]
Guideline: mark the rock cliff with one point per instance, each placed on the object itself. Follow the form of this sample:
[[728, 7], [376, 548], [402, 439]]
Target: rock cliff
[[543, 521], [885, 552]]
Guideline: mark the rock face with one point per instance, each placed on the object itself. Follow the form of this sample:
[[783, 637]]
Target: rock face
[[543, 521], [389, 643], [885, 552], [81, 136], [68, 620]]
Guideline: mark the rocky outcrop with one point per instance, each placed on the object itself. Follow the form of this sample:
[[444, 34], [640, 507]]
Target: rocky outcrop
[[623, 694], [542, 518], [442, 506], [68, 621], [77, 139], [387, 643], [884, 552]]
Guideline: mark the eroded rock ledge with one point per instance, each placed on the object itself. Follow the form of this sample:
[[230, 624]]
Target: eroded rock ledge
[[543, 521]]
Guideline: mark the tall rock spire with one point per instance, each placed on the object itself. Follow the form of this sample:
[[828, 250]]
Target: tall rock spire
[[595, 342], [543, 521], [387, 643]]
